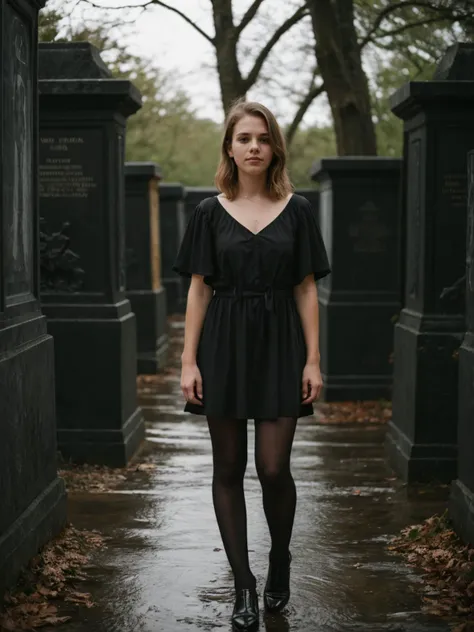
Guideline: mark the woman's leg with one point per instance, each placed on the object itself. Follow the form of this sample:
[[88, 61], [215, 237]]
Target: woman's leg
[[273, 443], [229, 451]]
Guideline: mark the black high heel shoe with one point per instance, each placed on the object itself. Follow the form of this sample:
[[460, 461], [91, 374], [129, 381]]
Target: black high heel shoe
[[277, 588], [245, 614]]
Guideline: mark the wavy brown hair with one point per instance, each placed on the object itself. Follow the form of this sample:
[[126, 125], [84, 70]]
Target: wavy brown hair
[[227, 175]]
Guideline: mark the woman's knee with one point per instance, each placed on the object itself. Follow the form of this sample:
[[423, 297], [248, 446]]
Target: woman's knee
[[229, 473], [273, 474]]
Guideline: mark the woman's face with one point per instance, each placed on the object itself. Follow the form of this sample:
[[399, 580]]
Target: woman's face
[[250, 147]]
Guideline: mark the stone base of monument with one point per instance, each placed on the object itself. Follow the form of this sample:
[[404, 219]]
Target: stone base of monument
[[420, 463], [149, 307], [44, 519], [462, 490], [348, 357], [33, 498], [426, 363], [461, 510], [95, 351]]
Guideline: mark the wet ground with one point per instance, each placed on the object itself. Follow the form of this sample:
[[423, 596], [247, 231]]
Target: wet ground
[[165, 570]]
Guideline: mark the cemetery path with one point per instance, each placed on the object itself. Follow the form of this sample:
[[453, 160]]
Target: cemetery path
[[164, 569]]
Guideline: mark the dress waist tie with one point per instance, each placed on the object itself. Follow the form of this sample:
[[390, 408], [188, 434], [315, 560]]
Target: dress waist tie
[[268, 293]]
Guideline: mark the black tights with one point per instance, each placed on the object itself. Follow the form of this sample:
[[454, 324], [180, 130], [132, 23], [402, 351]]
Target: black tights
[[273, 442]]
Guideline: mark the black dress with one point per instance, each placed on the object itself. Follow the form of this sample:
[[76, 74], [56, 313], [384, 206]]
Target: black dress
[[252, 351]]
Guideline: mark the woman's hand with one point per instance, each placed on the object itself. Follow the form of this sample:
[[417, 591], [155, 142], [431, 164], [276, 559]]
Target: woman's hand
[[191, 383], [312, 383]]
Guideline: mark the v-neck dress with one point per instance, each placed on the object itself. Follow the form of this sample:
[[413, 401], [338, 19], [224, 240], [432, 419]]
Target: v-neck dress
[[252, 350]]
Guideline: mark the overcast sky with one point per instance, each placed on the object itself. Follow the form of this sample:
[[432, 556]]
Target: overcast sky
[[165, 37]]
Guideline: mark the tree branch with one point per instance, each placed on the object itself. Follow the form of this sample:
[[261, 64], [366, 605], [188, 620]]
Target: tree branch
[[249, 15], [403, 28], [123, 6], [160, 4], [185, 18], [394, 6], [262, 56], [314, 92]]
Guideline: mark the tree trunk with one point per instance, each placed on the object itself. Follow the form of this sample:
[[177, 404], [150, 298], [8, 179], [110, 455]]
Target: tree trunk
[[230, 79], [346, 84]]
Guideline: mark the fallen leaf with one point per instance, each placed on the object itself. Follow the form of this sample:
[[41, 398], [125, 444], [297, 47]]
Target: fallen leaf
[[447, 566], [56, 620]]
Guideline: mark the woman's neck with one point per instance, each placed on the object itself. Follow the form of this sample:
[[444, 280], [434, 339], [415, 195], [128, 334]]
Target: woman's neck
[[252, 187]]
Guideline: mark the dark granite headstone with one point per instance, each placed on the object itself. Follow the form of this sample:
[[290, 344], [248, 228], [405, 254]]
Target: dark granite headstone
[[172, 225], [82, 139], [359, 220], [439, 131], [143, 253], [462, 490], [32, 497]]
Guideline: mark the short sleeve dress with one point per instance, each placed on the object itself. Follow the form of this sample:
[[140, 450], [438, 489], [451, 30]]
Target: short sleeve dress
[[252, 351]]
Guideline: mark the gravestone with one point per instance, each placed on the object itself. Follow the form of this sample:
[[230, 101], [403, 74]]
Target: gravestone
[[172, 226], [32, 497], [438, 131], [83, 114], [360, 224], [145, 292], [462, 490]]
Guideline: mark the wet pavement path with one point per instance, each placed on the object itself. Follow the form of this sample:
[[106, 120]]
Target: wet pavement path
[[165, 570]]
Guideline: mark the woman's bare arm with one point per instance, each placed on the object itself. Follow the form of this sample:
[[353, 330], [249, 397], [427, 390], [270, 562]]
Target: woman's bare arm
[[199, 297], [306, 297]]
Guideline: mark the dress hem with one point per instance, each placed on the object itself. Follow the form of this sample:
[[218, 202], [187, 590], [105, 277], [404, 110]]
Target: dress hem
[[305, 411]]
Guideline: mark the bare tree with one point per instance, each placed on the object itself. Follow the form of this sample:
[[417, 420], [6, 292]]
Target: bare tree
[[341, 29], [340, 64], [226, 39], [339, 47]]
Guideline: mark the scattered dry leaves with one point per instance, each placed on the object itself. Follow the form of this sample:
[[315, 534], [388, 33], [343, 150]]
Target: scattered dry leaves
[[99, 478], [50, 579], [447, 566], [372, 412]]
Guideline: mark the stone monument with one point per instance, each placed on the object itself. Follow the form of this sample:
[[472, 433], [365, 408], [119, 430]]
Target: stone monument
[[143, 254], [438, 132], [173, 222], [32, 497], [359, 302], [462, 490], [83, 113]]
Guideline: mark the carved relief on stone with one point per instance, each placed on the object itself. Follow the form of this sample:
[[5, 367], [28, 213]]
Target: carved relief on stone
[[470, 225], [414, 216], [59, 265], [18, 150]]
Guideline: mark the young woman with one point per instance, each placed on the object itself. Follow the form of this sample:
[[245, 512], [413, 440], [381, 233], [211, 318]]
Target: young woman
[[251, 338]]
